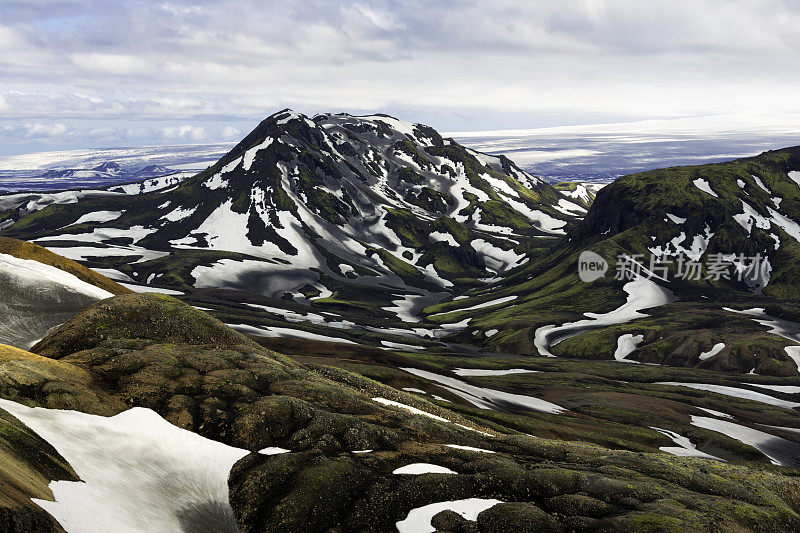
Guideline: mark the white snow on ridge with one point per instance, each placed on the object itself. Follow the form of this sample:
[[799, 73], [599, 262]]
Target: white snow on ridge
[[139, 472], [486, 398], [789, 226], [713, 351], [794, 175], [409, 408], [273, 450], [82, 253], [734, 392], [114, 274], [289, 315], [419, 519], [99, 235], [250, 155], [643, 293], [416, 469], [568, 208], [541, 220], [483, 372], [787, 389], [99, 216], [404, 307], [760, 183], [145, 288], [786, 453], [684, 447], [444, 237], [676, 219], [496, 259], [469, 448], [274, 331], [750, 216], [490, 303], [500, 186], [179, 214], [626, 344], [402, 346], [30, 273], [703, 185]]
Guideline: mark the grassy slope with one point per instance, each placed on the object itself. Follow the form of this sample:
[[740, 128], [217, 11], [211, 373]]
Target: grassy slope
[[26, 250], [202, 376], [623, 217]]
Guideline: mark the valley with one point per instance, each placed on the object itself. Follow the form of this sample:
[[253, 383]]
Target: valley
[[359, 302]]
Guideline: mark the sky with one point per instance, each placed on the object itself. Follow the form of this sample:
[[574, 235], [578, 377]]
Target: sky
[[96, 73]]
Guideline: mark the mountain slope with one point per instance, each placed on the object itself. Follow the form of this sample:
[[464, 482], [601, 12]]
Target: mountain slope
[[741, 216], [39, 290], [350, 212]]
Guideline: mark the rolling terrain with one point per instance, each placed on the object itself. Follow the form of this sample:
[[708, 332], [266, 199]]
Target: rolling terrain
[[140, 381], [367, 306]]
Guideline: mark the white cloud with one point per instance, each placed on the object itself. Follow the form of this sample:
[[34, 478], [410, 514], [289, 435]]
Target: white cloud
[[37, 130], [229, 132], [111, 63], [189, 61], [194, 133]]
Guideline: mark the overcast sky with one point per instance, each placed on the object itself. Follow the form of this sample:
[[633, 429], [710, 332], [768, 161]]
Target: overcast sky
[[96, 73]]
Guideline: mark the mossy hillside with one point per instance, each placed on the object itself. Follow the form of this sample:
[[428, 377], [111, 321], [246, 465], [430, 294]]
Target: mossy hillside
[[622, 220], [26, 250], [677, 334], [640, 202], [246, 396], [148, 316], [611, 404]]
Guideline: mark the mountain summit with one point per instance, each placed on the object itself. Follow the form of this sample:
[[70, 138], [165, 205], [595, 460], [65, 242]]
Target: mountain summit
[[310, 203]]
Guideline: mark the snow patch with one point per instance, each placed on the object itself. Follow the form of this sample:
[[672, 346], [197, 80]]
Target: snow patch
[[419, 519], [99, 216], [713, 351], [684, 447], [481, 372], [626, 344], [416, 469], [734, 392], [138, 472], [486, 398], [703, 185]]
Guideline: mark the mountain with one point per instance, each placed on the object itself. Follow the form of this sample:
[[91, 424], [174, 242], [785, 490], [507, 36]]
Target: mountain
[[98, 176], [345, 228], [155, 170], [142, 396], [358, 213], [109, 167], [740, 217], [40, 290]]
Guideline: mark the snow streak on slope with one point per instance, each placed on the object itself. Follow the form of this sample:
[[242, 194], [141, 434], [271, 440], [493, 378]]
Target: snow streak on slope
[[487, 398], [35, 297], [643, 293]]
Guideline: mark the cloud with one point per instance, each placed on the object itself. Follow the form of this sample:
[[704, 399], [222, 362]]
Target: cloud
[[36, 130], [194, 133], [464, 63], [111, 63], [229, 132]]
